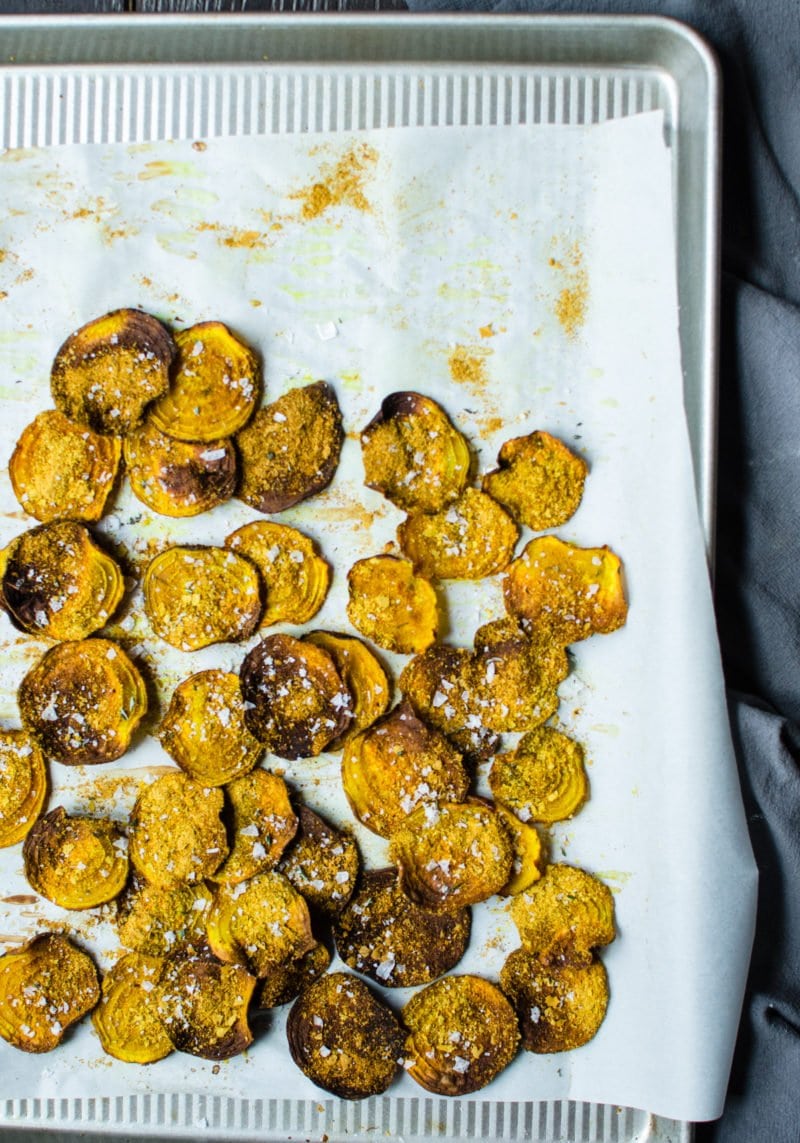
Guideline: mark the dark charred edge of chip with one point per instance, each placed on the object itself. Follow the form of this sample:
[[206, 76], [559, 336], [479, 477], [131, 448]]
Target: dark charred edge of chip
[[286, 983], [204, 963], [207, 478], [141, 330], [404, 403]]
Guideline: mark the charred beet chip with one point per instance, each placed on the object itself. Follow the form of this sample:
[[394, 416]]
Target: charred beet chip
[[204, 729], [75, 862], [414, 455], [295, 701], [363, 676], [126, 1019], [194, 597], [202, 1004], [322, 863], [462, 1032], [83, 701], [158, 920], [290, 449], [544, 779], [23, 785], [560, 1005], [283, 984], [470, 538], [107, 372], [344, 1038], [179, 478], [58, 583], [569, 911], [176, 833], [216, 385], [63, 471], [383, 935], [396, 765], [565, 592], [539, 480], [262, 923], [263, 823], [45, 986], [295, 575], [449, 855], [392, 605], [441, 685]]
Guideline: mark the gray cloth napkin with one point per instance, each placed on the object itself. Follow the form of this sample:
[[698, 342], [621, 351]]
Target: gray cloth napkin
[[758, 536]]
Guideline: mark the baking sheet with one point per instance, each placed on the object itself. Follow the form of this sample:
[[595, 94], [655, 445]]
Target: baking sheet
[[525, 277]]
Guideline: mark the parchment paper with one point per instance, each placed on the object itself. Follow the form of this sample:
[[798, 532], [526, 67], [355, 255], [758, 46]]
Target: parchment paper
[[524, 277]]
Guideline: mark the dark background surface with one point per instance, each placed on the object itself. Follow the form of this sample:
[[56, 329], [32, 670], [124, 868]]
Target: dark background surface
[[758, 511]]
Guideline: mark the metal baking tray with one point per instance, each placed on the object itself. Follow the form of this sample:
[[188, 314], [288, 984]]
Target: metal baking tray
[[126, 79]]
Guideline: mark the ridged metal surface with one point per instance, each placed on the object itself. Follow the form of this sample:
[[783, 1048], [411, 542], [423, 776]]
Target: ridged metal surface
[[107, 106]]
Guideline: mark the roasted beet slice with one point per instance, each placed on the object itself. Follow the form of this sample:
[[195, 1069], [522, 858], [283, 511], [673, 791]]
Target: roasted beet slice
[[83, 701], [158, 920], [108, 371], [322, 863], [392, 605], [74, 861], [462, 1032], [396, 765], [295, 575], [216, 385], [179, 478], [568, 911], [262, 823], [295, 700], [285, 982], [202, 1004], [344, 1038], [126, 1019], [383, 935], [543, 779], [63, 471], [176, 833], [539, 480], [441, 685], [45, 987], [58, 583], [362, 674], [414, 454], [23, 785], [290, 450], [262, 923], [560, 1005], [470, 538]]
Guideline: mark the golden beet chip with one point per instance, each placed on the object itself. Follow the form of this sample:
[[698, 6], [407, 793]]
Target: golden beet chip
[[157, 920], [202, 1004], [197, 596], [452, 855], [543, 779], [126, 1019], [560, 1006], [566, 592], [295, 700], [263, 823], [58, 583], [75, 862], [383, 935], [322, 863], [179, 478], [345, 1039], [83, 701], [216, 385], [107, 372], [470, 538], [568, 910], [45, 986], [290, 449], [204, 729], [175, 831], [539, 480], [63, 471], [462, 1032], [529, 859], [363, 676], [396, 765], [261, 923], [284, 983], [414, 455], [295, 575], [23, 785], [441, 685], [514, 680], [392, 605]]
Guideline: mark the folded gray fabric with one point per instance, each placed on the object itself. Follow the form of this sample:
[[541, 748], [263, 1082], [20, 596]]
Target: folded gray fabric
[[758, 537]]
